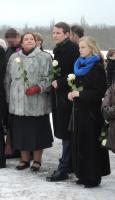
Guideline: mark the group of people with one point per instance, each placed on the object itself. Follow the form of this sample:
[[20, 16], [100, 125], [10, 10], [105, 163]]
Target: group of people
[[32, 94]]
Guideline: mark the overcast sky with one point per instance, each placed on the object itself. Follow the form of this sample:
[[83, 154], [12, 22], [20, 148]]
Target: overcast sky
[[42, 12]]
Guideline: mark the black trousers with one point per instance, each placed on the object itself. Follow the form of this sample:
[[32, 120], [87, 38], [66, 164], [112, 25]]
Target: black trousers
[[64, 162], [2, 147]]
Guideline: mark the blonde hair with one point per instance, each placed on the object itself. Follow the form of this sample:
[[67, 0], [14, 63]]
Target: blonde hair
[[92, 44]]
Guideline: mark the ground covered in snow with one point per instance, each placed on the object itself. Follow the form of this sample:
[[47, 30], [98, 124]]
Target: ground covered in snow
[[25, 185]]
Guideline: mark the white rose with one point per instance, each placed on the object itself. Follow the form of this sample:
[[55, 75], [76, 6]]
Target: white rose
[[71, 77], [17, 60], [55, 63], [104, 142]]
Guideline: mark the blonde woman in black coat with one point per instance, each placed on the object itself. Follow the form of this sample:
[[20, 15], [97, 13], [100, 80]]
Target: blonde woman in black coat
[[91, 162]]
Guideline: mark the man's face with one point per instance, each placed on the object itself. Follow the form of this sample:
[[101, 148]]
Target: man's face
[[13, 41], [59, 35]]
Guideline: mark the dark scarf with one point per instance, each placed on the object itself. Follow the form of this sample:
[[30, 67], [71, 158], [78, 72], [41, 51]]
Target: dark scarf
[[27, 52], [83, 65]]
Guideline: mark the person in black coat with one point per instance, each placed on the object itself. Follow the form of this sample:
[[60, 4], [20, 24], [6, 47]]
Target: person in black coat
[[110, 66], [12, 37], [65, 53], [2, 106], [76, 33], [90, 161]]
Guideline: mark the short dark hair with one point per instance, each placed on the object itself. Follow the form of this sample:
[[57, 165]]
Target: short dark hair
[[64, 26], [11, 32], [78, 30]]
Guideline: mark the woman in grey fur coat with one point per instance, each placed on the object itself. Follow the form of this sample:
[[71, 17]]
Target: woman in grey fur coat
[[28, 95]]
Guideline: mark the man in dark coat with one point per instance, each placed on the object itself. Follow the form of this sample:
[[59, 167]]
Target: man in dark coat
[[65, 52], [12, 37], [2, 105], [76, 33], [110, 66]]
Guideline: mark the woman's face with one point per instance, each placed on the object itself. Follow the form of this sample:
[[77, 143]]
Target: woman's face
[[84, 49], [28, 42]]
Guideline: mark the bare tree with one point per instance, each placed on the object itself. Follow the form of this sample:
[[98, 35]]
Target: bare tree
[[105, 35]]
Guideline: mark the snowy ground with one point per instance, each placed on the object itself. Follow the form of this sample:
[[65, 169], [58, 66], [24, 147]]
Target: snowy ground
[[25, 185]]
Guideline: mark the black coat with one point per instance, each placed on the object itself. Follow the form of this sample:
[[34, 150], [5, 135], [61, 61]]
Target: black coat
[[110, 71], [11, 50], [89, 159], [65, 53], [2, 89]]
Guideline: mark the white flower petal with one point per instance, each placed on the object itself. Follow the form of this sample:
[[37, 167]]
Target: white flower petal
[[17, 60], [55, 63], [71, 77], [104, 142]]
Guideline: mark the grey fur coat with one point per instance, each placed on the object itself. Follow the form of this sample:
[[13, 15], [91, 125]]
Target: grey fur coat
[[35, 68]]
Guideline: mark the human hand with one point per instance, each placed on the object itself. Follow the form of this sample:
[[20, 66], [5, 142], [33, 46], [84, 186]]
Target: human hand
[[54, 84], [75, 93], [70, 96], [33, 90]]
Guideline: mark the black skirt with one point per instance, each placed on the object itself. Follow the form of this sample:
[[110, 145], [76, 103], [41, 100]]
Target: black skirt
[[31, 133]]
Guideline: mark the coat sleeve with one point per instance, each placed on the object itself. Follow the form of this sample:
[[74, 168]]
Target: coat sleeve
[[45, 81], [2, 88], [7, 81], [2, 66], [107, 109], [70, 57]]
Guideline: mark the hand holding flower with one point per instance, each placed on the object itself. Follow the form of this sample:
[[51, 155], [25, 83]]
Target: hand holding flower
[[70, 96], [23, 74], [73, 94], [74, 88]]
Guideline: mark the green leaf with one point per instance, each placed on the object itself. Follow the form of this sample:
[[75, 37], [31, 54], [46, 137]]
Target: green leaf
[[80, 88], [25, 72], [25, 79], [103, 134]]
